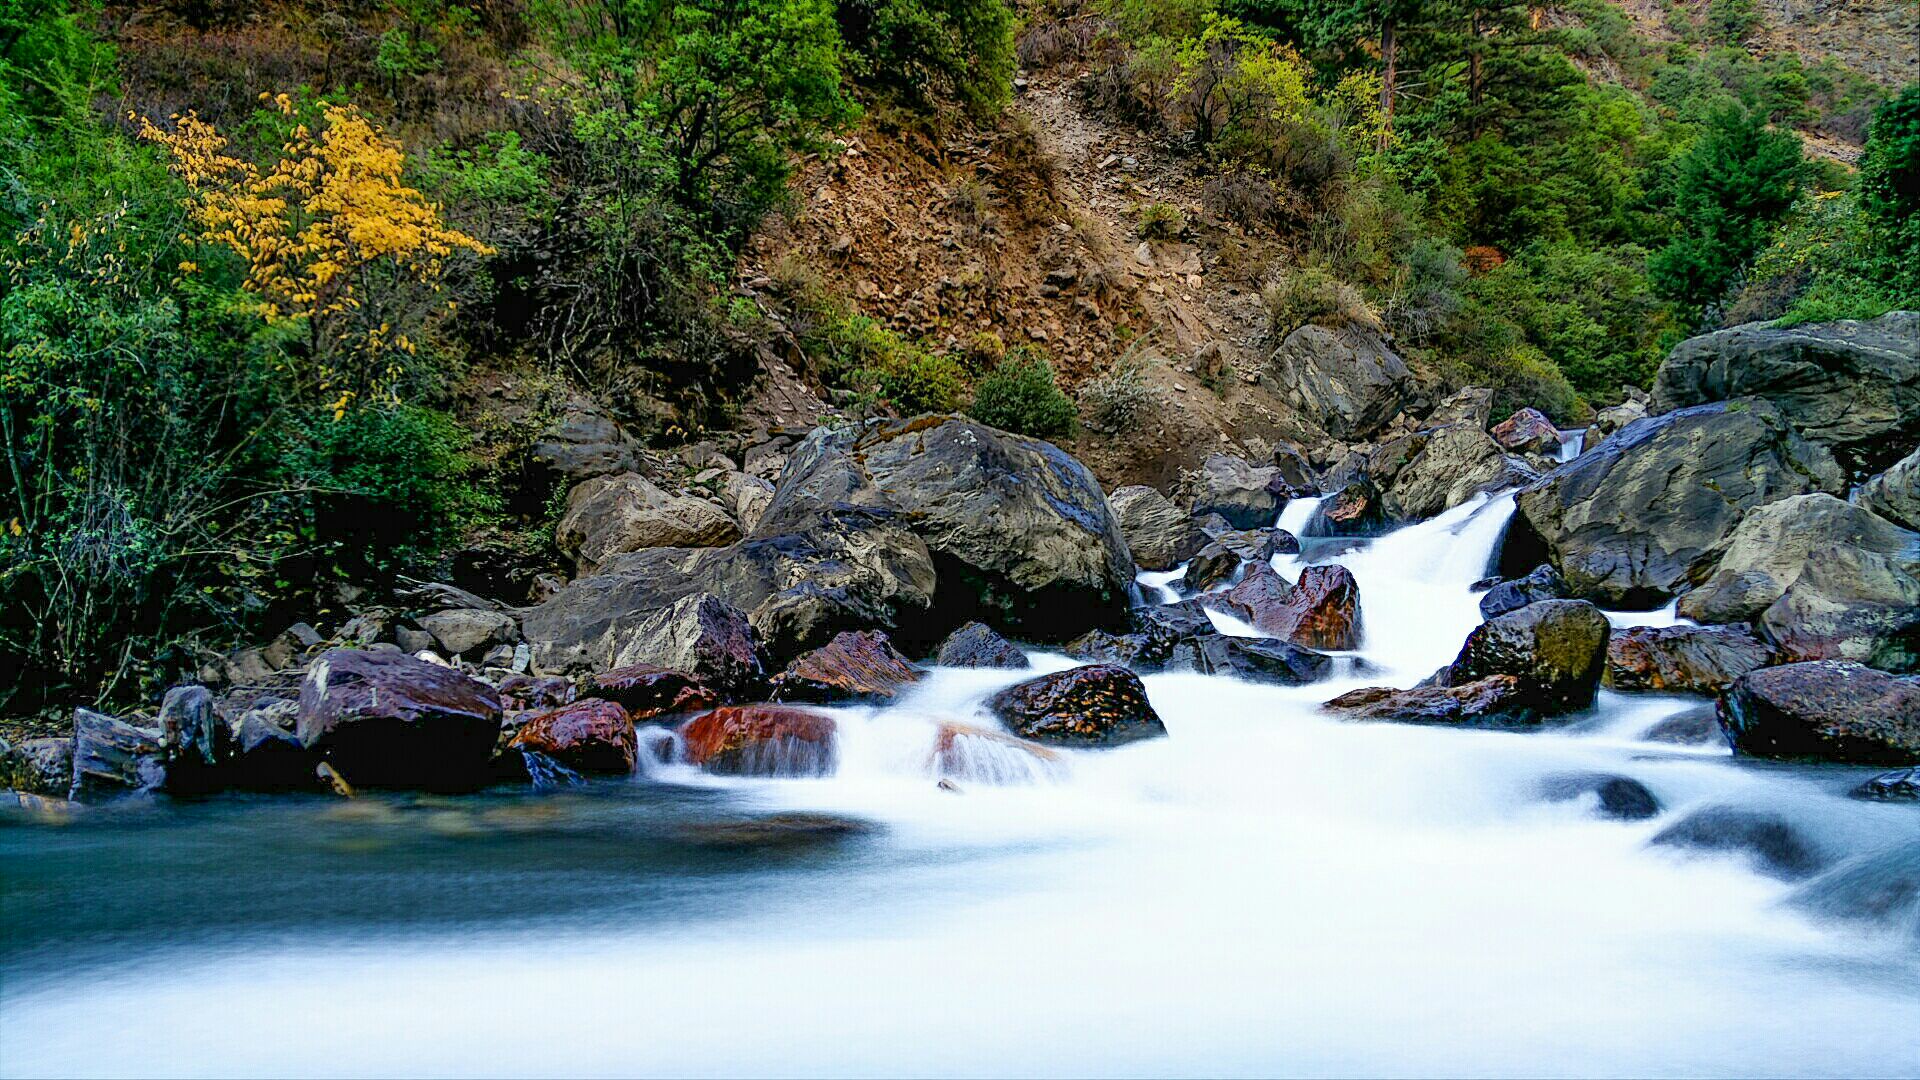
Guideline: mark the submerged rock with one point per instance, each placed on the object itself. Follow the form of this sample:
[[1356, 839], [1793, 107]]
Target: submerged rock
[[384, 719], [1774, 845], [761, 740], [1160, 535], [1621, 798], [854, 666], [1828, 709], [1880, 887], [1096, 705], [1495, 700], [977, 755], [1900, 785], [975, 645], [1698, 726], [1687, 659], [646, 691], [588, 736], [1256, 659]]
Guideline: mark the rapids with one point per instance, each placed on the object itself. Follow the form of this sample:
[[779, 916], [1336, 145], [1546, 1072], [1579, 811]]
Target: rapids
[[1266, 891]]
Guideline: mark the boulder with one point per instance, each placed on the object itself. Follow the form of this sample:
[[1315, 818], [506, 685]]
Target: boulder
[[612, 515], [384, 719], [1138, 651], [1851, 386], [467, 630], [1468, 405], [646, 691], [1159, 534], [1495, 700], [1607, 421], [1828, 709], [975, 645], [1894, 494], [1543, 582], [1698, 726], [1096, 705], [761, 740], [1355, 509], [195, 739], [1320, 611], [112, 757], [1453, 464], [1774, 846], [38, 766], [976, 755], [592, 735], [747, 497], [519, 692], [858, 665], [1528, 432], [268, 755], [585, 443], [1253, 659], [1347, 381], [1621, 798], [701, 635], [1556, 648], [1823, 579], [1899, 785], [1224, 555], [1626, 522], [1686, 659], [1293, 469], [1247, 496]]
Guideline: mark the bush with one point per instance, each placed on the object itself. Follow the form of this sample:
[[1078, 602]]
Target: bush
[[1521, 376], [1312, 295], [1117, 401], [923, 49], [1160, 221], [1020, 396]]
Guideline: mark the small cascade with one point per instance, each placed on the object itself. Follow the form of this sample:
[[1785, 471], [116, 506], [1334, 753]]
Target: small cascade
[[546, 773], [975, 755], [1295, 515], [1570, 444], [1156, 586]]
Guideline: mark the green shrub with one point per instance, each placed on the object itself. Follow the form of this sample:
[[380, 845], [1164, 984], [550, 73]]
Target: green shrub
[[920, 50], [1521, 376], [1160, 221], [1118, 400], [1310, 294], [1021, 396]]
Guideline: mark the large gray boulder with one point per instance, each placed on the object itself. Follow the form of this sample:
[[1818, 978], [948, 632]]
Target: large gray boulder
[[1894, 494], [1248, 496], [1824, 579], [612, 515], [1828, 709], [1347, 380], [1626, 522], [1160, 535], [1452, 464], [113, 757], [701, 635], [1851, 386]]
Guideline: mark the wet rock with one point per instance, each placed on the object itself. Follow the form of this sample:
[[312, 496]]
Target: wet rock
[[1096, 705], [1320, 611], [1355, 509], [1527, 432], [1247, 496], [1686, 659], [1621, 798], [1880, 887], [1556, 648], [1495, 700], [589, 736], [1900, 785], [1140, 652], [1256, 660], [779, 832], [461, 631], [38, 766], [267, 755], [1452, 465], [1894, 494], [855, 666], [1694, 727], [975, 645], [1626, 523], [612, 515], [1159, 534], [388, 720], [1223, 557], [1824, 579], [112, 757], [1346, 381], [1774, 845], [519, 692], [1852, 386], [761, 740], [647, 691], [980, 756], [1828, 709], [1542, 583], [703, 636]]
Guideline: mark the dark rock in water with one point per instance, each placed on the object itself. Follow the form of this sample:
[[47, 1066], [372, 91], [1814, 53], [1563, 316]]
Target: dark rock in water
[[1527, 432], [1774, 845], [1096, 705], [703, 636], [388, 720], [38, 766], [112, 757], [1894, 494], [1900, 785], [194, 739], [1824, 579], [1882, 887], [1687, 659], [1627, 522], [1497, 700], [1160, 535], [1354, 509], [1621, 798], [778, 832], [761, 740], [1851, 386], [646, 691], [1139, 651], [589, 736], [1295, 471], [1320, 611], [988, 757], [1828, 709], [1556, 648], [854, 666], [975, 645], [1247, 496], [519, 693], [1543, 583], [1698, 726], [268, 756], [1259, 660], [1227, 553]]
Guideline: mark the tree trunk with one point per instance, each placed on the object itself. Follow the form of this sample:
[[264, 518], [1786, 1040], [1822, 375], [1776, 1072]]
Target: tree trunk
[[1387, 57]]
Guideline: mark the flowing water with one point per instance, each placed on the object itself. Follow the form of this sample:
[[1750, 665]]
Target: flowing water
[[1265, 891]]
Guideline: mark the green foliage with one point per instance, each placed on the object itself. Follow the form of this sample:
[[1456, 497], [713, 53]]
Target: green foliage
[[921, 50], [1020, 395], [1160, 221], [1310, 294], [1890, 189], [1589, 310]]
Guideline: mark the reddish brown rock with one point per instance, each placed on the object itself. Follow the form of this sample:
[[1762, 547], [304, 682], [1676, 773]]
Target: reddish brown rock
[[857, 665], [975, 754], [646, 691], [519, 693], [761, 740], [1498, 699], [384, 719], [1690, 659], [594, 736], [1527, 431], [1320, 611], [1828, 709], [1096, 705]]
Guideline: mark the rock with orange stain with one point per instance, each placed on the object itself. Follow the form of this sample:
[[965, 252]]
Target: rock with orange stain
[[761, 740], [1096, 705], [857, 665], [592, 735], [647, 691], [961, 752]]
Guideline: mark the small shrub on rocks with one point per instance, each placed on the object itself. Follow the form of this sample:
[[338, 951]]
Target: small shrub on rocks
[[1021, 396]]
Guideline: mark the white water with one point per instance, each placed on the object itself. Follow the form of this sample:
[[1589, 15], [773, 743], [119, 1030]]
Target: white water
[[1265, 891]]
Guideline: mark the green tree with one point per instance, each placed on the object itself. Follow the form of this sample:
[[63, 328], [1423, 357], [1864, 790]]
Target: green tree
[[1889, 189], [925, 49]]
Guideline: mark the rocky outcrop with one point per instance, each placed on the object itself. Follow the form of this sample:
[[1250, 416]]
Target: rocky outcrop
[[1453, 464], [761, 740], [857, 665], [1527, 432], [1495, 700], [1685, 659], [1093, 706], [1853, 387], [647, 691], [1823, 579], [612, 515], [592, 735], [975, 645], [469, 631], [112, 757], [1555, 648], [1894, 494], [1626, 522], [1543, 582], [1160, 535], [701, 635], [1320, 611], [1828, 709], [384, 719], [1247, 496], [1347, 381]]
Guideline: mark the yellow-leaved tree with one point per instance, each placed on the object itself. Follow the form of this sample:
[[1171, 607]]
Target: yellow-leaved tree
[[329, 235]]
